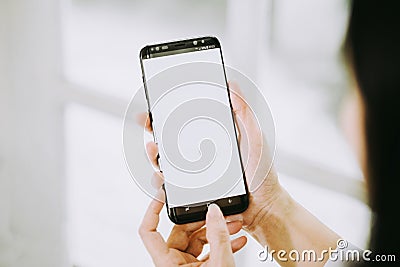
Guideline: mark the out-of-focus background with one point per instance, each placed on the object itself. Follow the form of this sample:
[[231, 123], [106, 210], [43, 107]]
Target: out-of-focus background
[[68, 69]]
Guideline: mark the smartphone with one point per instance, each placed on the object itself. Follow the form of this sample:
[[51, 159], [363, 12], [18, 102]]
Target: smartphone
[[189, 203]]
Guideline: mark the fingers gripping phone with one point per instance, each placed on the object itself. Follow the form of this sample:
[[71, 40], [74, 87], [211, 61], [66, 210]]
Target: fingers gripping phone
[[190, 191]]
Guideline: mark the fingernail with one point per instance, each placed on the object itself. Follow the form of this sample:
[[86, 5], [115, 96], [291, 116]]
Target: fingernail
[[214, 210]]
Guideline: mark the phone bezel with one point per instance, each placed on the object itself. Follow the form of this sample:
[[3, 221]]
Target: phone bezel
[[196, 211]]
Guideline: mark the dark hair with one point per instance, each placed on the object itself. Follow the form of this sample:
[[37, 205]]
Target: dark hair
[[373, 51]]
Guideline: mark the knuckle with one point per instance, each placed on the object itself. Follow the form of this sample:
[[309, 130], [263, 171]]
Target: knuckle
[[222, 237], [141, 231]]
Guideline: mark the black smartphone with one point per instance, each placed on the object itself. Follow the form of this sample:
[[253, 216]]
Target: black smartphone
[[188, 201]]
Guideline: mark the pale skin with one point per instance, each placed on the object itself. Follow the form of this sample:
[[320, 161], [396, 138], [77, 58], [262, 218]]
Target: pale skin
[[186, 242], [273, 218]]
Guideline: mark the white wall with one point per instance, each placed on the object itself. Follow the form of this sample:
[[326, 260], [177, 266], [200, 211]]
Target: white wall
[[6, 251], [31, 140]]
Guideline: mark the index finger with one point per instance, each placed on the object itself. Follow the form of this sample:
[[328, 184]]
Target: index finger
[[218, 238], [143, 119], [242, 109]]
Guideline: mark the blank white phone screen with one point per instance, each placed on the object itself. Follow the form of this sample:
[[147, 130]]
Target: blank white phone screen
[[209, 139]]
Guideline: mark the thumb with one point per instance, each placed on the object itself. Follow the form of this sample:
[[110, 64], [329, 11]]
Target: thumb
[[218, 238]]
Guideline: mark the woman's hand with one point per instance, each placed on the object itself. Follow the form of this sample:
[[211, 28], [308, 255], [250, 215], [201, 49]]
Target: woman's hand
[[261, 177], [273, 218], [186, 242]]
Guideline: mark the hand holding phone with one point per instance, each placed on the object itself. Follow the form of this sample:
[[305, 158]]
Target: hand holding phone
[[192, 185], [185, 242]]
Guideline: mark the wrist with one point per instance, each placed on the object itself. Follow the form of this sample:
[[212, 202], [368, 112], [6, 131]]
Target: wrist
[[270, 208]]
